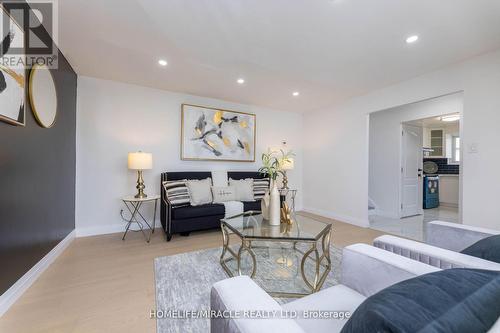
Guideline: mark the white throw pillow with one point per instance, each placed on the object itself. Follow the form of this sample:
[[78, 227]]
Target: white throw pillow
[[223, 194], [200, 192], [244, 189]]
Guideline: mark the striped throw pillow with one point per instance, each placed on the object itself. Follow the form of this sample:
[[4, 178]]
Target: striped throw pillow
[[177, 192], [260, 186]]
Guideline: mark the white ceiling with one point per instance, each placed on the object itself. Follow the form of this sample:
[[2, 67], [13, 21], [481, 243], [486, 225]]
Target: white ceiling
[[329, 50]]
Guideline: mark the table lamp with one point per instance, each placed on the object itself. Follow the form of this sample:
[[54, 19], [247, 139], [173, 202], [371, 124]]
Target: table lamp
[[140, 161], [285, 165]]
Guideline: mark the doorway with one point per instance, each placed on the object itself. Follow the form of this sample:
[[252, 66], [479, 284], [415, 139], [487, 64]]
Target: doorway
[[414, 166]]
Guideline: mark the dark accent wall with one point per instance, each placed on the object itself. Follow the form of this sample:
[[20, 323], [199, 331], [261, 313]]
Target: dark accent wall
[[37, 182]]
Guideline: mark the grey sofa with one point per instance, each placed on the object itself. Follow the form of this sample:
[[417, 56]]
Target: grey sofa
[[444, 240], [365, 271]]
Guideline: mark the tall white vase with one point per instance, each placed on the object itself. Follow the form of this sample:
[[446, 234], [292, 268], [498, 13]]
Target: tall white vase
[[274, 209]]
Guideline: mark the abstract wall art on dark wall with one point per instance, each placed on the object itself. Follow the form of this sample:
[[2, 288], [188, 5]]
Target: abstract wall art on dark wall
[[12, 73], [216, 134]]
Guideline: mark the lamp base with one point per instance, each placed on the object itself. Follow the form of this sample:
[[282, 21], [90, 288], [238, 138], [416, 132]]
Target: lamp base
[[140, 186], [285, 181]]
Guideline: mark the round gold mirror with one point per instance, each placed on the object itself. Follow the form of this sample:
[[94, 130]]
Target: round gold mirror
[[43, 95]]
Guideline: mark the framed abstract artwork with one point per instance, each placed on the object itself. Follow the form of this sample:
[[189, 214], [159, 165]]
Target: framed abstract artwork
[[215, 134], [12, 73]]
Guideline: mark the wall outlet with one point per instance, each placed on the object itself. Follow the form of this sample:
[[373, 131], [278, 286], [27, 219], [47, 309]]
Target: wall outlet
[[473, 148]]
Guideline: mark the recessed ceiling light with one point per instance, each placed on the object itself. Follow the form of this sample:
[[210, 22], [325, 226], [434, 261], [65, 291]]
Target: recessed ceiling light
[[450, 118], [411, 39], [295, 93], [162, 62], [240, 81]]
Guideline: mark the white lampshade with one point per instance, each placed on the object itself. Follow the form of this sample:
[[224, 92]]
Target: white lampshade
[[287, 164], [140, 161]]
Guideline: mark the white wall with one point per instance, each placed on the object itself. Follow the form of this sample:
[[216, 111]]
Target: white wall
[[385, 143], [336, 152], [116, 118]]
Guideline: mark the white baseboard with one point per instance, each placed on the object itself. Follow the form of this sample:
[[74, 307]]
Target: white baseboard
[[105, 229], [100, 230], [338, 217], [13, 293]]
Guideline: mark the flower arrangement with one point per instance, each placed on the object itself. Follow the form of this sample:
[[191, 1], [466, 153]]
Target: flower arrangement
[[272, 162]]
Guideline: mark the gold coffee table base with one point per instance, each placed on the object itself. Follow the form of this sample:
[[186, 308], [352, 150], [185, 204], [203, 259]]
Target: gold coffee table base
[[322, 260]]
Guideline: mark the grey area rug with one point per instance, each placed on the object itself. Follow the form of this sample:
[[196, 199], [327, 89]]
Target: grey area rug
[[183, 281]]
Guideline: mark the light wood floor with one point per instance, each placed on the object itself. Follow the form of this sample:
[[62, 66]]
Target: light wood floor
[[104, 284]]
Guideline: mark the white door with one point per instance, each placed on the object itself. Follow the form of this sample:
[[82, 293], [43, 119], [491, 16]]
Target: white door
[[411, 171]]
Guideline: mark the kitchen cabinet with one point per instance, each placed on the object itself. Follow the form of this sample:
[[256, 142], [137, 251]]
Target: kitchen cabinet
[[437, 143], [441, 141]]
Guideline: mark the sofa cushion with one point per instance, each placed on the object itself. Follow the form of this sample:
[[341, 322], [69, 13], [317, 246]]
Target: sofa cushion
[[487, 248], [260, 186], [200, 191], [452, 300], [197, 211], [177, 192], [223, 194], [244, 189], [251, 205]]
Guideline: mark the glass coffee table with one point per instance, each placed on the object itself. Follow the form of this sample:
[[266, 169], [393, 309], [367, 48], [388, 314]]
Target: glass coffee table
[[293, 259]]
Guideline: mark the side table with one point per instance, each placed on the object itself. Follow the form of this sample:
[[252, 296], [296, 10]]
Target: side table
[[134, 205]]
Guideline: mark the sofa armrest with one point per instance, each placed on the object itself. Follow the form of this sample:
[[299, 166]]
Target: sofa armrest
[[432, 255], [454, 236], [368, 269], [240, 294], [166, 213]]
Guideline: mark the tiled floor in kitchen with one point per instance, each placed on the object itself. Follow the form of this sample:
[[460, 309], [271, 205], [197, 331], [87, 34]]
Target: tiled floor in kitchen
[[414, 227]]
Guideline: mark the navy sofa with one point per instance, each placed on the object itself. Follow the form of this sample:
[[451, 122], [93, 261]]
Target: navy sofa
[[183, 220]]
